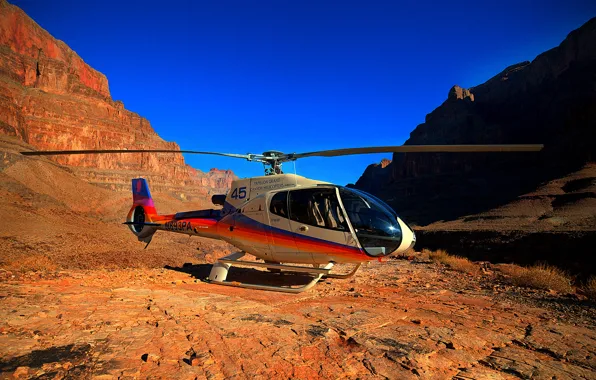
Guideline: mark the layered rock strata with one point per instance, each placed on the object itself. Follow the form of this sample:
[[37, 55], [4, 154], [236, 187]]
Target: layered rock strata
[[51, 99]]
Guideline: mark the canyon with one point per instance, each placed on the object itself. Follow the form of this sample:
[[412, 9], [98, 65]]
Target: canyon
[[550, 101], [80, 297], [52, 100], [507, 206]]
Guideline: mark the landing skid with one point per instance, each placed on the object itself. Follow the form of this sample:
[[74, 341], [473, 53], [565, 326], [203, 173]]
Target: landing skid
[[219, 273]]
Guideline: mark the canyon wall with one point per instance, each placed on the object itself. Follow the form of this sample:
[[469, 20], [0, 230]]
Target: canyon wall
[[550, 101], [51, 99]]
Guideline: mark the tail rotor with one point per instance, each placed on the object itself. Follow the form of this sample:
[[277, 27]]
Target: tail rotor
[[140, 216]]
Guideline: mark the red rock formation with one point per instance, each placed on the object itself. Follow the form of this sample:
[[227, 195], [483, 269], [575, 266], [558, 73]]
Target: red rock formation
[[51, 99]]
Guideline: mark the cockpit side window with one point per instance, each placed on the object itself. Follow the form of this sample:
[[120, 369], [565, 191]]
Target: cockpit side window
[[317, 207], [279, 204]]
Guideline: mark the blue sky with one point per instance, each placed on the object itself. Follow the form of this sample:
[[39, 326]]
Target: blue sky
[[249, 76]]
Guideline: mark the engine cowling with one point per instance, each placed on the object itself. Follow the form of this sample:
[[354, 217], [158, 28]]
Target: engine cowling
[[218, 199]]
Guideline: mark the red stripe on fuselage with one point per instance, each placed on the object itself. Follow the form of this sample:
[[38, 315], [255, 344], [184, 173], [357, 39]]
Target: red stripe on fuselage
[[253, 230], [256, 232]]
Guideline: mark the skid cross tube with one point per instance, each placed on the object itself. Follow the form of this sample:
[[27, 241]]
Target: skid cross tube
[[219, 273], [346, 275], [290, 268]]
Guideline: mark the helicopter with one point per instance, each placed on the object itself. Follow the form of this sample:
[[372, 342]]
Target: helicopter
[[292, 223]]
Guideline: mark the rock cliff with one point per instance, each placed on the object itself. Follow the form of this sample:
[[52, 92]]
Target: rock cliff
[[551, 100], [51, 99]]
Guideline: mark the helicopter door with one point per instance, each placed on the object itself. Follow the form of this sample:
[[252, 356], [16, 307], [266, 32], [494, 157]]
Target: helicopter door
[[253, 219], [281, 239], [320, 226]]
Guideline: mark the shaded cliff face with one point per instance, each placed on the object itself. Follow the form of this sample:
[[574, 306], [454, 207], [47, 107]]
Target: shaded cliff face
[[375, 176], [51, 99], [551, 100]]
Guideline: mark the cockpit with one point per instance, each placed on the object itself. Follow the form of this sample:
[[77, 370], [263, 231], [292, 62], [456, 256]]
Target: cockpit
[[375, 224]]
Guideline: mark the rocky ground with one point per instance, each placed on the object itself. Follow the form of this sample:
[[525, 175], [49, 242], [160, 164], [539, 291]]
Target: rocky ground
[[553, 223], [53, 219], [396, 319]]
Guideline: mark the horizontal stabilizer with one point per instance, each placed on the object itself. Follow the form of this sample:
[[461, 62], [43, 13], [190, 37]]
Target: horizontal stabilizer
[[142, 224]]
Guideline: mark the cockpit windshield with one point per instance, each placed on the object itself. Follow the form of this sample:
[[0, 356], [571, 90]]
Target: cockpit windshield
[[374, 222]]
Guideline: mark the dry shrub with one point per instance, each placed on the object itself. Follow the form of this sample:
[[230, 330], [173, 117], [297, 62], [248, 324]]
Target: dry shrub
[[36, 263], [458, 263], [538, 277], [590, 288], [439, 255], [511, 270], [462, 264]]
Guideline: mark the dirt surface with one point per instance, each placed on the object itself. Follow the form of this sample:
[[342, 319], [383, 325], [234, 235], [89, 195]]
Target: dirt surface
[[81, 298], [53, 219], [397, 319], [562, 205]]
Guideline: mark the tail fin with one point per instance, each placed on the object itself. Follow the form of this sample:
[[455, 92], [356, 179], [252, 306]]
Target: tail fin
[[141, 195], [142, 210]]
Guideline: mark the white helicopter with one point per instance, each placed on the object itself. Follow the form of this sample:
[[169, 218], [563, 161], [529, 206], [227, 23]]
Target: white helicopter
[[287, 219]]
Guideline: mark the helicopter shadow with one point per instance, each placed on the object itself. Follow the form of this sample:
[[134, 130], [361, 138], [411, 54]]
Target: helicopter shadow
[[246, 275]]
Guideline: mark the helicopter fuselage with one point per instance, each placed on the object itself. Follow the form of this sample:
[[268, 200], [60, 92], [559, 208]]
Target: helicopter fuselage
[[285, 218]]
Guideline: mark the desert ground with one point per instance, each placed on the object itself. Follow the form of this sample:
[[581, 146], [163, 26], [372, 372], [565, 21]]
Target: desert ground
[[81, 298], [403, 318]]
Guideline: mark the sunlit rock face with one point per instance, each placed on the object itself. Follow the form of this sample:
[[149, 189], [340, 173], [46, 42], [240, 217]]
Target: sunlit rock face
[[51, 99]]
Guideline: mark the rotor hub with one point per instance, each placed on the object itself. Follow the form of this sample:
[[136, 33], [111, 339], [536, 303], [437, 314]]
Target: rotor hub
[[272, 160]]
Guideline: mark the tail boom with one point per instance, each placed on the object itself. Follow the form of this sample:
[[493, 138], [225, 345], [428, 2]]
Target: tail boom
[[144, 221]]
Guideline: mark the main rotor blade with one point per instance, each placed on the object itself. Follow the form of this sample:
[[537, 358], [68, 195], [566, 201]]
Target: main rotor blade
[[107, 151], [421, 149]]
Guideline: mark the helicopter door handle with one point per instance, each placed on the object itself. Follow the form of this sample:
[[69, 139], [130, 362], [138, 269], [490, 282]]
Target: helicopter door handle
[[303, 228]]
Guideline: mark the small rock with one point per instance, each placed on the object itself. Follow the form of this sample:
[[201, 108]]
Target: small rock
[[67, 366], [21, 372], [195, 362], [47, 367], [416, 321], [191, 352]]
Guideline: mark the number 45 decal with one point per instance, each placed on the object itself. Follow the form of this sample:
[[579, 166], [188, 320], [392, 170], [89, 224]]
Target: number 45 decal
[[239, 193]]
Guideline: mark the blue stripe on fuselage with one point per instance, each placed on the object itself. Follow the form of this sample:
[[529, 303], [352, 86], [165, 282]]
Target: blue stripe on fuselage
[[242, 220]]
